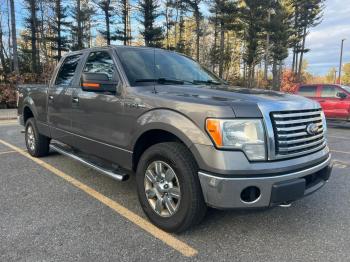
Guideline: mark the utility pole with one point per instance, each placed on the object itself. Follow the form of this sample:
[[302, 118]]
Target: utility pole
[[341, 59]]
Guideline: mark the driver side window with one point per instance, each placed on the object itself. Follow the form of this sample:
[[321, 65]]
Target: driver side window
[[101, 62], [329, 91]]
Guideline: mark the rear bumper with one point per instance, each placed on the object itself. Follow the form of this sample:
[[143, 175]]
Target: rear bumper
[[263, 191]]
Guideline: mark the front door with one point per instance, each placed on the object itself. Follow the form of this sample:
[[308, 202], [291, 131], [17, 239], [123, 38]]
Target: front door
[[60, 98], [334, 106], [97, 118]]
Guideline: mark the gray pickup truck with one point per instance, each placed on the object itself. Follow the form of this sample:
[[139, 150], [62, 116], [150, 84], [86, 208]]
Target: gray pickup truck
[[191, 140]]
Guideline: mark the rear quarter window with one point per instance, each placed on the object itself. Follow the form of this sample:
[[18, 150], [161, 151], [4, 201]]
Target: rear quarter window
[[67, 70], [307, 91]]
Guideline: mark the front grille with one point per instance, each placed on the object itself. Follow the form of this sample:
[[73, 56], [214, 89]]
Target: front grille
[[291, 136]]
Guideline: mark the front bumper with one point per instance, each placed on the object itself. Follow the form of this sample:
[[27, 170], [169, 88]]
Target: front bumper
[[229, 192]]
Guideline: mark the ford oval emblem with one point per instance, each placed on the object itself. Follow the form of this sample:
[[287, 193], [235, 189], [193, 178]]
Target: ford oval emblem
[[312, 129]]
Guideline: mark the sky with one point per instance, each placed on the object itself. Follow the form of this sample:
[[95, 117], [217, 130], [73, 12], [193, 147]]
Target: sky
[[323, 40]]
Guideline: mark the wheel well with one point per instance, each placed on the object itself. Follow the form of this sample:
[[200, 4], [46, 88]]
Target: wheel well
[[27, 113], [149, 139]]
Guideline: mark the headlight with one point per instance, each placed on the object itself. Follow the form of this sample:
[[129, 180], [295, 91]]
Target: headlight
[[244, 134]]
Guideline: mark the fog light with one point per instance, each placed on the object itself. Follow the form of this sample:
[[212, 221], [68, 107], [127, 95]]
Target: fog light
[[250, 194]]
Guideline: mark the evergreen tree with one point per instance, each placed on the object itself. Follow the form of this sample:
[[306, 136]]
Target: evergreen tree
[[253, 14], [31, 23], [169, 22], [152, 34], [214, 20], [179, 26], [225, 17], [80, 29], [124, 35], [59, 40], [307, 14], [108, 11], [195, 8], [310, 16], [280, 29]]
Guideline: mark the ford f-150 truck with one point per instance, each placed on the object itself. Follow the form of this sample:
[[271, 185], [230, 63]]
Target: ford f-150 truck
[[191, 139]]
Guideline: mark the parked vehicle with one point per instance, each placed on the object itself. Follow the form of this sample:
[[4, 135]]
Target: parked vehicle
[[191, 140], [334, 99]]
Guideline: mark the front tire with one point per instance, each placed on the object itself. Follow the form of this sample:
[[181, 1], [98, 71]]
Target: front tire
[[37, 145], [168, 187]]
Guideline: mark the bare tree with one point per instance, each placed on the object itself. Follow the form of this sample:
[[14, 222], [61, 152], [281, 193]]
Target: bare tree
[[14, 38], [2, 50]]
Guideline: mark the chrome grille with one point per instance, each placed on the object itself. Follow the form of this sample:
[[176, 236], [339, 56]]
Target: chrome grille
[[291, 136]]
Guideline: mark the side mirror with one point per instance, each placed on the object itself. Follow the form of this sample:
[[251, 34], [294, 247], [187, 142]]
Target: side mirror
[[98, 82], [341, 95]]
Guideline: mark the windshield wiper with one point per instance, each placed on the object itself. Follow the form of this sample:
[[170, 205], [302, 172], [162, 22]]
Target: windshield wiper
[[207, 82], [161, 80]]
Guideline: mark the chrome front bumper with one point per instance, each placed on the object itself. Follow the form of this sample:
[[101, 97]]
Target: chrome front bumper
[[225, 192]]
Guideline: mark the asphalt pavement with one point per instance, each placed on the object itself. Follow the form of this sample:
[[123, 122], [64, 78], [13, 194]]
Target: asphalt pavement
[[56, 209]]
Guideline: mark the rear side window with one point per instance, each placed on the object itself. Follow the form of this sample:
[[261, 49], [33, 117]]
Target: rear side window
[[329, 91], [307, 91], [100, 62], [66, 74]]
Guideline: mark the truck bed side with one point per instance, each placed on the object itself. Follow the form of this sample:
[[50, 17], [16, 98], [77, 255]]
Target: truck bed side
[[32, 97]]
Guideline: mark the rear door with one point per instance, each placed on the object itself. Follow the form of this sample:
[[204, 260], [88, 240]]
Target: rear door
[[332, 104], [60, 98]]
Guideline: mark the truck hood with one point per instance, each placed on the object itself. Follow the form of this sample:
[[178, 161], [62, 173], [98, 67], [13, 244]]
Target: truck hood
[[245, 102]]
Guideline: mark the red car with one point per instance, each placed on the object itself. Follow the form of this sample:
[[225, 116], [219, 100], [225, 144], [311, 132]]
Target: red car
[[334, 99]]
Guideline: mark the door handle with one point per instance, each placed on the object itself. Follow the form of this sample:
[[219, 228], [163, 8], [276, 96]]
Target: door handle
[[75, 100], [51, 98]]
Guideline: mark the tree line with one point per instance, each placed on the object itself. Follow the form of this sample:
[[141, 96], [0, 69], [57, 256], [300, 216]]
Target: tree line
[[243, 41]]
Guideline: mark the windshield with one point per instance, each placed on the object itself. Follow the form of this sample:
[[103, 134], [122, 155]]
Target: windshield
[[144, 66], [347, 88]]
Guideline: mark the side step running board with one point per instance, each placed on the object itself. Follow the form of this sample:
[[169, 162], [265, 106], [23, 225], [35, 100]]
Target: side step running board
[[110, 173]]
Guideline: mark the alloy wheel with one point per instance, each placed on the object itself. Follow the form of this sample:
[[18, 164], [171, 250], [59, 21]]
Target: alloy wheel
[[30, 138], [162, 188]]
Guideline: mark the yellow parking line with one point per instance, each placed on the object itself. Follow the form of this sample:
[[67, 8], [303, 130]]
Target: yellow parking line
[[339, 137], [336, 151], [168, 239], [7, 152]]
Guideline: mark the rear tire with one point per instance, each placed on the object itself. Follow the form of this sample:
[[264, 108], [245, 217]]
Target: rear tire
[[170, 195], [37, 145]]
